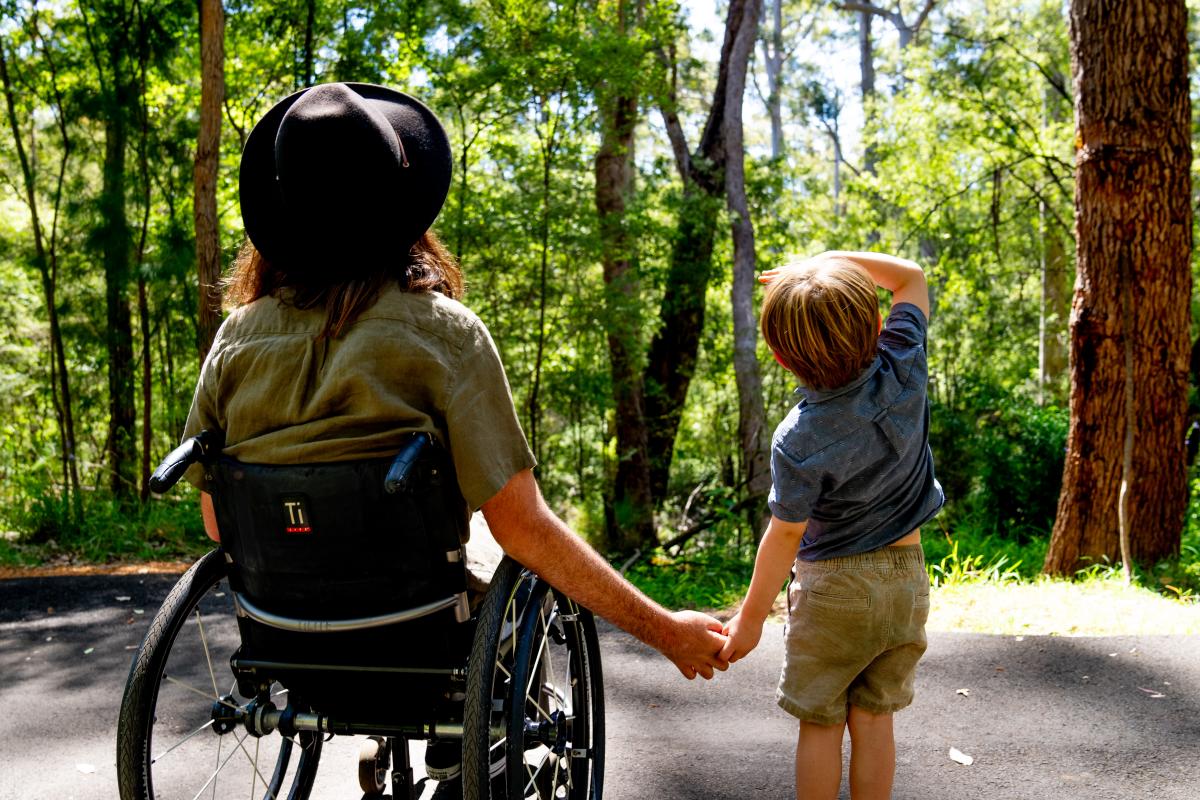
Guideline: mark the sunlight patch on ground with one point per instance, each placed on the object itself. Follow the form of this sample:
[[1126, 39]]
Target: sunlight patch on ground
[[1059, 608]]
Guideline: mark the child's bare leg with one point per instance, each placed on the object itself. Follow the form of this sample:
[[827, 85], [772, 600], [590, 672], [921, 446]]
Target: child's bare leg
[[872, 755], [819, 761]]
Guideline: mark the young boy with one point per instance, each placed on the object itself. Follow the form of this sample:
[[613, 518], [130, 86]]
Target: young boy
[[852, 483]]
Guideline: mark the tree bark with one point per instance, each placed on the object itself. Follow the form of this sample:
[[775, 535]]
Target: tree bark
[[1133, 222], [309, 24], [752, 435], [674, 348], [630, 524], [116, 244], [1056, 299], [207, 163], [866, 66], [773, 61]]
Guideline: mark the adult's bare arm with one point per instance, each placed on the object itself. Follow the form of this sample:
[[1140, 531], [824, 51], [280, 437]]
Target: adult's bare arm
[[209, 515], [532, 534]]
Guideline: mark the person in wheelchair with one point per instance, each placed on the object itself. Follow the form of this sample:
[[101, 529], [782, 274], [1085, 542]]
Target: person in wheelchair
[[347, 336]]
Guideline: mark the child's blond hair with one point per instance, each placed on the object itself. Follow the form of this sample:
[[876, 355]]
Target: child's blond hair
[[821, 317]]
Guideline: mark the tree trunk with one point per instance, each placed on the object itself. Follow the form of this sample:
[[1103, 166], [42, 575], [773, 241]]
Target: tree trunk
[[208, 152], [674, 348], [1133, 222], [1055, 311], [630, 524], [115, 241], [1056, 299], [309, 23], [752, 435], [548, 146], [46, 261], [773, 61]]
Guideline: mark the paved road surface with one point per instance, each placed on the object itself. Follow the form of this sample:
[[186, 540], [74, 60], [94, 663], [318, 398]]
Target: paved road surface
[[1044, 717]]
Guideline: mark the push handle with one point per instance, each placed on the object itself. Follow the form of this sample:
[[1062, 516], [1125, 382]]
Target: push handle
[[200, 447], [400, 471]]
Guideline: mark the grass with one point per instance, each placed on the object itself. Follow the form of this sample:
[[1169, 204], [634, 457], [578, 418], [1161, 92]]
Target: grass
[[43, 531], [981, 583]]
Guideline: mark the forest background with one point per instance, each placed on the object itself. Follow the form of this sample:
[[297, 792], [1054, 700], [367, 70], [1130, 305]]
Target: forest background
[[608, 233]]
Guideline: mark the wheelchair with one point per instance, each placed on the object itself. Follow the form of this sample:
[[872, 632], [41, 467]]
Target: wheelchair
[[337, 604]]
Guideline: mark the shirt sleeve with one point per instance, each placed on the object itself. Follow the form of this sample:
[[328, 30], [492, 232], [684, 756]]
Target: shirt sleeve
[[204, 414], [905, 327], [795, 487], [486, 440]]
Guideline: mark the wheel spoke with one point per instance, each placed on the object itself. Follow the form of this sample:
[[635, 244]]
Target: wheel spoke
[[537, 661], [532, 777], [203, 694], [207, 656], [220, 766], [212, 778], [254, 775], [181, 741]]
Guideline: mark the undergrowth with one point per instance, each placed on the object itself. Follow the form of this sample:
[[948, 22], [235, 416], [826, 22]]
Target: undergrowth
[[102, 530]]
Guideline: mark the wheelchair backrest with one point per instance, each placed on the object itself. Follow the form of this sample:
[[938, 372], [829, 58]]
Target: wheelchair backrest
[[327, 541]]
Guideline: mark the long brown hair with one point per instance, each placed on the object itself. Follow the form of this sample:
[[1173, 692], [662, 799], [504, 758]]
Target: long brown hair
[[429, 267]]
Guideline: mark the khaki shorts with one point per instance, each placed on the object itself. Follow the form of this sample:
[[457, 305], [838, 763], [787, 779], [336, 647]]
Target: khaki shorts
[[854, 635]]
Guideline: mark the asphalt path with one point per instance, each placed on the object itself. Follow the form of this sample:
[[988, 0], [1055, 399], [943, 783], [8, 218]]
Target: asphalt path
[[1042, 717]]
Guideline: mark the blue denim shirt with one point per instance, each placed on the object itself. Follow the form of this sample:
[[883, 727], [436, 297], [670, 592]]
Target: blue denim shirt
[[855, 461]]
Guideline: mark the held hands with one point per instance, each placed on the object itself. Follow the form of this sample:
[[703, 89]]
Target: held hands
[[743, 634], [693, 643]]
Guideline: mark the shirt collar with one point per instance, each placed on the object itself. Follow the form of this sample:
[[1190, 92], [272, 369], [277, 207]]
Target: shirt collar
[[821, 395]]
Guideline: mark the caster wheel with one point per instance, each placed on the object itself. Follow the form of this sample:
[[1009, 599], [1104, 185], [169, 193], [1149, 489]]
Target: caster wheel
[[374, 758]]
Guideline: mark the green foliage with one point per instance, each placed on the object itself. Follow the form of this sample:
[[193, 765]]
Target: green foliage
[[964, 161], [166, 528], [712, 574], [999, 458]]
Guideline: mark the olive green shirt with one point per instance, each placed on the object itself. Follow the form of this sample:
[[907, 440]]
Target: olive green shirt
[[411, 362]]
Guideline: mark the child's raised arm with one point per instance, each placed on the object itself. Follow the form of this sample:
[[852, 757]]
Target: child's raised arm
[[903, 278]]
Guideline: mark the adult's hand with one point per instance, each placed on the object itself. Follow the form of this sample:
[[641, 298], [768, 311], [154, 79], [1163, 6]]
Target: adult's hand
[[693, 643], [532, 534]]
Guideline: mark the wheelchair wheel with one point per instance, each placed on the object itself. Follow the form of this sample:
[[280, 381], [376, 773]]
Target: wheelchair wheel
[[534, 719], [168, 744]]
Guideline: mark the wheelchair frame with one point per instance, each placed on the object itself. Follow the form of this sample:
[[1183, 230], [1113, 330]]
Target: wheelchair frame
[[526, 731]]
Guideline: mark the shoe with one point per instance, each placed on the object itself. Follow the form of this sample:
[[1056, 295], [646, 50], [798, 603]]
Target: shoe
[[449, 790], [443, 761]]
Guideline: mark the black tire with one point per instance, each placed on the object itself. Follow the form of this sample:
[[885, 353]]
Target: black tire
[[535, 664], [199, 588]]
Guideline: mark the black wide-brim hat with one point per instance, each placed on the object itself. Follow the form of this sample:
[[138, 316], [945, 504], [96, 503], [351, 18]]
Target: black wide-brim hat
[[344, 172]]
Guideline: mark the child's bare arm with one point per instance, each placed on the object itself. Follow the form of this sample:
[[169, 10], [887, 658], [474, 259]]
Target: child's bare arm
[[776, 553], [903, 278]]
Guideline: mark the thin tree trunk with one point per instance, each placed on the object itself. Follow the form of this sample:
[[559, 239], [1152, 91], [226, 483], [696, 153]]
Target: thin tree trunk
[[309, 25], [773, 61], [140, 264], [1134, 229], [147, 393], [630, 524], [46, 260], [1056, 301], [121, 454], [207, 163], [866, 65], [751, 414], [671, 362], [548, 147]]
